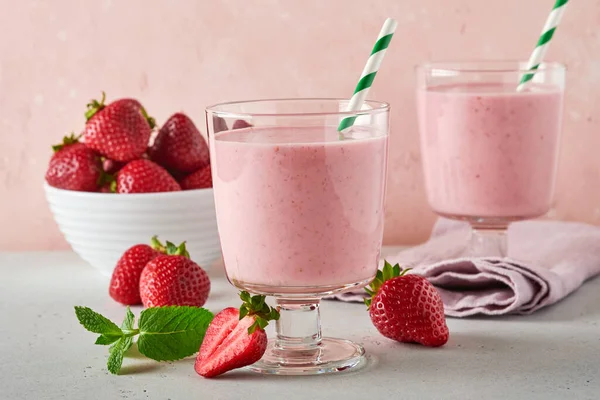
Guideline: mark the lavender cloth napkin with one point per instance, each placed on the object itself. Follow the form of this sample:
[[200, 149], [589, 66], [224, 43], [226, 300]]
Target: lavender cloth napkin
[[546, 262]]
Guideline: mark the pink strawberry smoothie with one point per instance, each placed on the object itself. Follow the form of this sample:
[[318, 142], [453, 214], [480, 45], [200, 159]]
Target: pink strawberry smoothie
[[490, 151], [299, 208]]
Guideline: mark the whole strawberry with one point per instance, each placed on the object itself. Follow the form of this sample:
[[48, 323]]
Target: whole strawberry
[[144, 176], [125, 282], [219, 124], [112, 166], [407, 308], [119, 131], [240, 124], [74, 166], [179, 146], [173, 279], [235, 338], [200, 179]]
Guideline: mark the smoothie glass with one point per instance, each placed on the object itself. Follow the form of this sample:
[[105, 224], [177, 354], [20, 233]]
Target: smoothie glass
[[300, 214], [489, 150]]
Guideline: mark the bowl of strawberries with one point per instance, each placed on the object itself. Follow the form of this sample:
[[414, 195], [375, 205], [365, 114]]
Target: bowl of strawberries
[[124, 180]]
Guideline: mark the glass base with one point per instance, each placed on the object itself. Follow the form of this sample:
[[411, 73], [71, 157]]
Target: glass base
[[329, 356]]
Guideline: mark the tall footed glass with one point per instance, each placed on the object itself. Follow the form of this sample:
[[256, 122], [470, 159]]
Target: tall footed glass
[[489, 150], [300, 214]]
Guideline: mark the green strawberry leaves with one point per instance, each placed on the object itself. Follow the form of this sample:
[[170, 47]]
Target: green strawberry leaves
[[67, 141], [169, 248], [165, 333], [256, 307], [94, 106], [388, 272]]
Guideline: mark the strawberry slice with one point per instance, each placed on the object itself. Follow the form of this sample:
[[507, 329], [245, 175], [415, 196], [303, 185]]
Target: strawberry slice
[[235, 337]]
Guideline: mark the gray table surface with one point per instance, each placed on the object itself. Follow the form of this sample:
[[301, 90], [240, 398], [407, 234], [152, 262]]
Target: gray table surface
[[45, 354]]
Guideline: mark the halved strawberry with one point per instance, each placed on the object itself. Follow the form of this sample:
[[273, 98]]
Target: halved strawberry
[[235, 338]]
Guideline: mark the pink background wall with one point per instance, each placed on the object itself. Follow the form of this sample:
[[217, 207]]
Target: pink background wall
[[184, 55]]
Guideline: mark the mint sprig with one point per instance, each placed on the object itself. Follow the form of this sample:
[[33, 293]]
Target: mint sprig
[[164, 333]]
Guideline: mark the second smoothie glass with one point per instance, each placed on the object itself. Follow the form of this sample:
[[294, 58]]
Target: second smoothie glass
[[489, 150], [300, 214]]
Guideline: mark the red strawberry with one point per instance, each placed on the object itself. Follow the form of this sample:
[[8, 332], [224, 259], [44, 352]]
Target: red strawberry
[[112, 166], [235, 338], [200, 179], [219, 124], [144, 176], [73, 166], [125, 282], [407, 308], [119, 131], [240, 124], [179, 146], [174, 280], [106, 188]]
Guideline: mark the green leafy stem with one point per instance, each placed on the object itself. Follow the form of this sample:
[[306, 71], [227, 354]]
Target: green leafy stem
[[164, 333]]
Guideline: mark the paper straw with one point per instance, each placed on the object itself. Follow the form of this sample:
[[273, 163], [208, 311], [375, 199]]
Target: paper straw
[[368, 74], [542, 45]]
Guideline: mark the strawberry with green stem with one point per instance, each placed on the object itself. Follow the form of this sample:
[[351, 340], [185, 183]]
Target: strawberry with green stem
[[406, 308], [120, 130], [74, 166], [236, 337], [173, 278]]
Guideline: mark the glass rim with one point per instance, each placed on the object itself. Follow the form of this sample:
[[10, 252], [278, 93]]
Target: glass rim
[[494, 66], [378, 107]]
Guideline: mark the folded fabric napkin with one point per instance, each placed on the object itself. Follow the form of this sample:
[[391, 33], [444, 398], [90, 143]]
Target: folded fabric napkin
[[546, 261]]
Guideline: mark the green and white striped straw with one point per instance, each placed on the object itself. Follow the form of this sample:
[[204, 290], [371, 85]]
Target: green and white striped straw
[[368, 74], [542, 45]]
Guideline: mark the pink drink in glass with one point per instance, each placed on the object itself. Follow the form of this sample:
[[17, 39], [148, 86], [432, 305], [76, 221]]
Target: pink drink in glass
[[297, 208], [490, 152]]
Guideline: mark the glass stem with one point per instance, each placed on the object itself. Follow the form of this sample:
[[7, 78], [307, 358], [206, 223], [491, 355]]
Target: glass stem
[[488, 242], [299, 324]]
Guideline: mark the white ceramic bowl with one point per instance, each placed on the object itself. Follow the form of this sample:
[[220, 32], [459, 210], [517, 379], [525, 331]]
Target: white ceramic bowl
[[101, 226]]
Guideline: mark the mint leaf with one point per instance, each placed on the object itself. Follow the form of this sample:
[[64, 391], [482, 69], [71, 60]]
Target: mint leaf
[[127, 343], [94, 322], [128, 322], [115, 359], [172, 333], [106, 340]]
